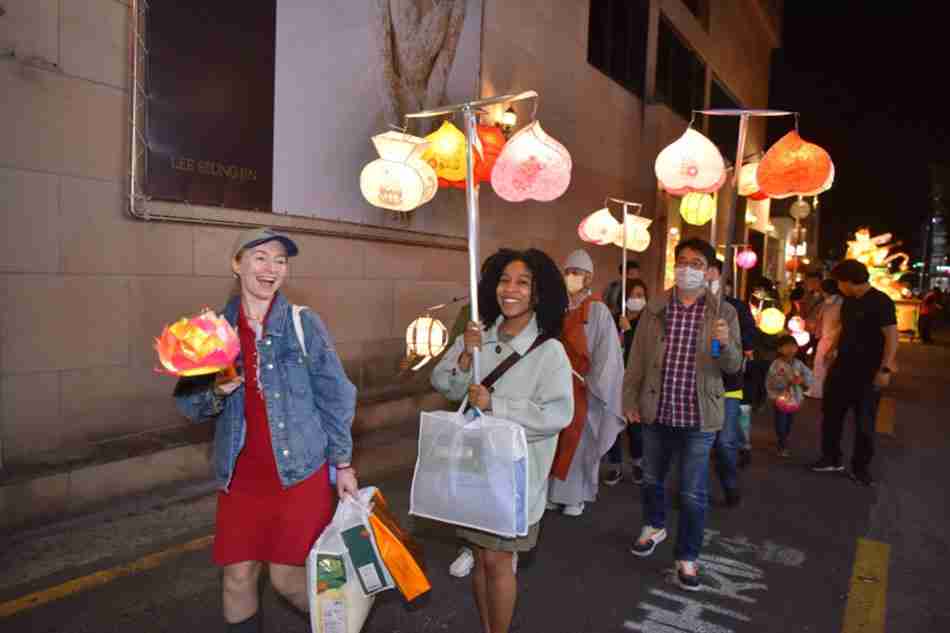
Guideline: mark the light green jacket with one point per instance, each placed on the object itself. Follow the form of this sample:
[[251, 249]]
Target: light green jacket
[[537, 393]]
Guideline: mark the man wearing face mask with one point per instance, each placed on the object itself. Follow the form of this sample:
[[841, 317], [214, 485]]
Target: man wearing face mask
[[673, 386], [730, 438], [590, 338]]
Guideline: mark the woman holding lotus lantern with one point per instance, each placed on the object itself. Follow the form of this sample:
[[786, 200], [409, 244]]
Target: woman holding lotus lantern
[[283, 419]]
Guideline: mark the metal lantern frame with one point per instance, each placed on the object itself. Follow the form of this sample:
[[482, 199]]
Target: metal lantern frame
[[470, 111], [745, 115]]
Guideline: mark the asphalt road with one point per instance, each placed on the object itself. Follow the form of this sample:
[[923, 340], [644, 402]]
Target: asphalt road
[[783, 561]]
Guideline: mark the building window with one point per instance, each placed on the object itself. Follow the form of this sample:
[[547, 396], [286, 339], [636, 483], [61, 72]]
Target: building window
[[617, 41], [680, 73], [723, 130]]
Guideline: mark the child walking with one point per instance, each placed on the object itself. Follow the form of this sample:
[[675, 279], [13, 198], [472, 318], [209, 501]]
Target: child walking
[[787, 380]]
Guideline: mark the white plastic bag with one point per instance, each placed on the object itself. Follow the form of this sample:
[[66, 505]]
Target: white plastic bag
[[336, 587], [472, 473]]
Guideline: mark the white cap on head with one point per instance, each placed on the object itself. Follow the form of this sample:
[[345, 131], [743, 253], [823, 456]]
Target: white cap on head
[[580, 260]]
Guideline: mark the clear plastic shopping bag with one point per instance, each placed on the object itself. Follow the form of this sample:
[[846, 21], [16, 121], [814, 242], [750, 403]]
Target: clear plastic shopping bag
[[345, 570], [472, 471]]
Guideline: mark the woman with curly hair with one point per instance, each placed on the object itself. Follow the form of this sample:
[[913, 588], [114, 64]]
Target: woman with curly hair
[[523, 300]]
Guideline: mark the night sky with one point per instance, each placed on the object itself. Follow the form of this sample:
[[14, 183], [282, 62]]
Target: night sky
[[868, 84]]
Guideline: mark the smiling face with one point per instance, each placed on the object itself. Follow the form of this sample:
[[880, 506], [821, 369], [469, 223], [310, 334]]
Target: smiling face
[[262, 269], [515, 290]]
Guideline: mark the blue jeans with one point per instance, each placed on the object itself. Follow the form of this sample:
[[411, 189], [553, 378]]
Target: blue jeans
[[634, 433], [728, 442], [661, 444], [783, 426]]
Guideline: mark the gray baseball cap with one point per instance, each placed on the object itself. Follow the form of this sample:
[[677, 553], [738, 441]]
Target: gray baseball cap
[[253, 237]]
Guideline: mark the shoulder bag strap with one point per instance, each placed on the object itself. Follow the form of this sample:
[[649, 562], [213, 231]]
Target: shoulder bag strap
[[509, 362]]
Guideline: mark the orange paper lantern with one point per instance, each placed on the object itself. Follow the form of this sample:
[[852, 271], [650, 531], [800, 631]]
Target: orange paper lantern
[[205, 344], [493, 141], [793, 167]]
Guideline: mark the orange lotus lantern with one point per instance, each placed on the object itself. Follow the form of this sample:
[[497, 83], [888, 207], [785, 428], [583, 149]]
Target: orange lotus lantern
[[690, 164], [793, 167], [492, 141], [205, 344]]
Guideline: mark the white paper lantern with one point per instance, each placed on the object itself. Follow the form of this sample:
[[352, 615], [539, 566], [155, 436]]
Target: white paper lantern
[[399, 179], [600, 227], [692, 163], [426, 338], [638, 237], [801, 338]]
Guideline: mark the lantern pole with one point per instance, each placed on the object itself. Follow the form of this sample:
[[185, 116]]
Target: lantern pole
[[744, 117], [471, 205], [623, 263], [470, 111]]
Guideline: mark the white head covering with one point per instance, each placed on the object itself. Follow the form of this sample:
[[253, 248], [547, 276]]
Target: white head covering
[[580, 260]]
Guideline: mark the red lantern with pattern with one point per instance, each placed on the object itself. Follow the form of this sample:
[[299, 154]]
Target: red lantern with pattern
[[793, 167]]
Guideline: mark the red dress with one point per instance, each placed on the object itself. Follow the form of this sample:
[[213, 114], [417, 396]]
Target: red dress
[[258, 519]]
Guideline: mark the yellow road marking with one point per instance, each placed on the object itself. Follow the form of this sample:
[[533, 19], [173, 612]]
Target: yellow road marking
[[99, 578], [867, 596], [886, 414]]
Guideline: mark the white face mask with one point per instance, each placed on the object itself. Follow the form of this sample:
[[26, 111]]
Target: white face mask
[[636, 304], [574, 283], [689, 279], [714, 286]]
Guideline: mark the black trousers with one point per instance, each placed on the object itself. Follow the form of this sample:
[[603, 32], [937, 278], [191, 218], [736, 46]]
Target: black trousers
[[840, 397]]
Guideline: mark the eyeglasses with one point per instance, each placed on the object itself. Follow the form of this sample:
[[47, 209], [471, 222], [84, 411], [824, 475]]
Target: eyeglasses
[[695, 264]]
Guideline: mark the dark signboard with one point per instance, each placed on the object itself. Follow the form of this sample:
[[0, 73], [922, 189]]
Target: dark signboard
[[210, 102]]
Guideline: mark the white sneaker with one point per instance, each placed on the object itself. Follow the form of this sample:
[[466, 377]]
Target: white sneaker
[[573, 510], [550, 505], [514, 563], [462, 566]]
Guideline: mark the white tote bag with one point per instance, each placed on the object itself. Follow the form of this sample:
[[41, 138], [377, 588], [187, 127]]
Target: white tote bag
[[472, 472]]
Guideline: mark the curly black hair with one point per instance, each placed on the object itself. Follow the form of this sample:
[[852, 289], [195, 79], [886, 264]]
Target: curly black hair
[[548, 293]]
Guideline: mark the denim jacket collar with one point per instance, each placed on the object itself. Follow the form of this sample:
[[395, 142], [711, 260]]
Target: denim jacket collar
[[276, 319]]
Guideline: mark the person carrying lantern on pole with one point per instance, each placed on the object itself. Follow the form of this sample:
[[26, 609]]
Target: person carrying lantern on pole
[[590, 338]]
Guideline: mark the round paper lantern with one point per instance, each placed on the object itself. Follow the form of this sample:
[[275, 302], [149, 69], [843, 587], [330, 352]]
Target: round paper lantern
[[698, 208], [425, 337], [801, 338], [532, 165], [492, 141], [638, 237], [796, 324], [600, 227], [799, 209], [399, 179], [746, 259], [692, 163], [787, 403], [793, 167], [446, 152], [771, 321]]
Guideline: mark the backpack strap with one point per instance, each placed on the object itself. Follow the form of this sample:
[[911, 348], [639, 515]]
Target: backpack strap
[[298, 327]]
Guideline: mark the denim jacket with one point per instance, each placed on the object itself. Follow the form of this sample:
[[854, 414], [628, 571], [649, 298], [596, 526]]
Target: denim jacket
[[310, 402]]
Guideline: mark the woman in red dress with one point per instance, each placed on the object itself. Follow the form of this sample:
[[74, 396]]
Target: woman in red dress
[[282, 422]]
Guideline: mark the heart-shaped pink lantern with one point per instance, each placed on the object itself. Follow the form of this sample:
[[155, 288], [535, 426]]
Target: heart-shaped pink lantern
[[532, 165]]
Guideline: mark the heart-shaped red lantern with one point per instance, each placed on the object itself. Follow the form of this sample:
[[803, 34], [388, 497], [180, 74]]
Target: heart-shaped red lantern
[[493, 141], [793, 167]]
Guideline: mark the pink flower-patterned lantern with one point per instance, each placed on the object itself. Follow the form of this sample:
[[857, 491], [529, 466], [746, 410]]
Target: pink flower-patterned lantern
[[746, 259], [532, 165], [787, 402], [690, 164]]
